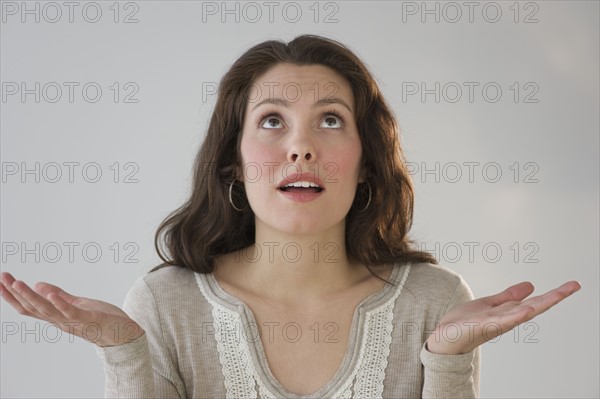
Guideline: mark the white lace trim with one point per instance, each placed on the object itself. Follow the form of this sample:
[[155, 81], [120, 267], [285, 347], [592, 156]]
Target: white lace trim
[[376, 348], [366, 380], [237, 365]]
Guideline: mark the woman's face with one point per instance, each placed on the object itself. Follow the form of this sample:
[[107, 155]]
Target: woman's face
[[300, 129]]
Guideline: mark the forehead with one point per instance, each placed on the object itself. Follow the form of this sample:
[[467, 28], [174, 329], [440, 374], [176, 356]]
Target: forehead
[[306, 83]]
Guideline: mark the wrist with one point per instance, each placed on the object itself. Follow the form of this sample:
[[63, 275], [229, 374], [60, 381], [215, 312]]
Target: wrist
[[439, 348], [128, 332]]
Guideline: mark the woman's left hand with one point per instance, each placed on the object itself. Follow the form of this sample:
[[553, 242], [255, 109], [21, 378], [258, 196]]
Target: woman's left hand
[[473, 323]]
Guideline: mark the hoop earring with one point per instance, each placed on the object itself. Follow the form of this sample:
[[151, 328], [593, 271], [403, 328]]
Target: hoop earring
[[369, 201], [231, 199]]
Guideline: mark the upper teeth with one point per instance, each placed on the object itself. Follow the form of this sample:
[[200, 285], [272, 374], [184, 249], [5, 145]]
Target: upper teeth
[[302, 184]]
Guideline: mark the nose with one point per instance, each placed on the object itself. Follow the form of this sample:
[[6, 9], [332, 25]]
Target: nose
[[298, 155], [301, 147]]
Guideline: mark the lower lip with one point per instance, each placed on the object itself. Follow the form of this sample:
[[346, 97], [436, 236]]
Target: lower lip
[[301, 196]]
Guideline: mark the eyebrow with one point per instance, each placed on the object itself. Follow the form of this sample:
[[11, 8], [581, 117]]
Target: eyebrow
[[285, 103]]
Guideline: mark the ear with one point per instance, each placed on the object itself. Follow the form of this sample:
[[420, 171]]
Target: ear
[[364, 173], [238, 173], [238, 170]]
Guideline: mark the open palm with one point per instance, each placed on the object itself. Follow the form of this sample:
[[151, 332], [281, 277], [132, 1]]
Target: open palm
[[96, 321], [472, 323]]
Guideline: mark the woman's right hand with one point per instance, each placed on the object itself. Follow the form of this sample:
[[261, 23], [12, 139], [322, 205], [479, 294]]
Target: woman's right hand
[[95, 321]]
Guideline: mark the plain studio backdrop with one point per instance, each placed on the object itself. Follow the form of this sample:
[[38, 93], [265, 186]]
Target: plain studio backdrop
[[104, 105]]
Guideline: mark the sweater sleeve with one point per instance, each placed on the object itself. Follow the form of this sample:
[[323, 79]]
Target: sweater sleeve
[[452, 376], [143, 368]]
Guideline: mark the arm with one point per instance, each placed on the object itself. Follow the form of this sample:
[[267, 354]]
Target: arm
[[134, 359], [451, 376], [143, 368], [469, 319]]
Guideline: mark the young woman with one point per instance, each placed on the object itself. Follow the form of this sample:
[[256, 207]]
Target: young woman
[[289, 272]]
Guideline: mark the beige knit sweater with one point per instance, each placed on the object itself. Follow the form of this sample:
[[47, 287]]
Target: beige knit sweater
[[197, 342]]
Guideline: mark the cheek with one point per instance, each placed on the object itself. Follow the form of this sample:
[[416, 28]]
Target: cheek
[[347, 163], [255, 160]]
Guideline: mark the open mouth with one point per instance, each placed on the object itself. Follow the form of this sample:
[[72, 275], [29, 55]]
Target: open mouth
[[301, 187]]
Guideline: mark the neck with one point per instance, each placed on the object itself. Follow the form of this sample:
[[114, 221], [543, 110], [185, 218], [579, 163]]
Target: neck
[[299, 268]]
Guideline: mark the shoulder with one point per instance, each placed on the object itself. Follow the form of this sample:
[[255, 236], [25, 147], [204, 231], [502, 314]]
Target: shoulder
[[429, 283], [433, 275], [169, 277], [171, 285]]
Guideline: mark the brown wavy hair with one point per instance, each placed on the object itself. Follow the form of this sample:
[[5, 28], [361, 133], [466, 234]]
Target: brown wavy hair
[[207, 226]]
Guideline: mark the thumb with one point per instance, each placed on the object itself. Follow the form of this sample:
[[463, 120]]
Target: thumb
[[516, 292], [45, 289]]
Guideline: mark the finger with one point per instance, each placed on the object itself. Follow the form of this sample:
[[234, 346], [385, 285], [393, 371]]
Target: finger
[[542, 303], [6, 278], [66, 309], [45, 289], [515, 316], [21, 305], [26, 308], [5, 274], [39, 303], [12, 300], [516, 292]]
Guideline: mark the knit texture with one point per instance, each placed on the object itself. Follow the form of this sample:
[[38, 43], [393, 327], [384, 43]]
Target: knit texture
[[195, 346]]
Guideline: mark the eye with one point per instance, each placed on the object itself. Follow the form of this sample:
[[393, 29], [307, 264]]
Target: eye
[[333, 120], [271, 121]]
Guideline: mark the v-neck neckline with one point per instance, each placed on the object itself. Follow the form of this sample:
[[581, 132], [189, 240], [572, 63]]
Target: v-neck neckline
[[350, 359]]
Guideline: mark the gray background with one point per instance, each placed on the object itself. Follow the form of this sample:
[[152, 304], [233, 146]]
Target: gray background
[[544, 219]]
